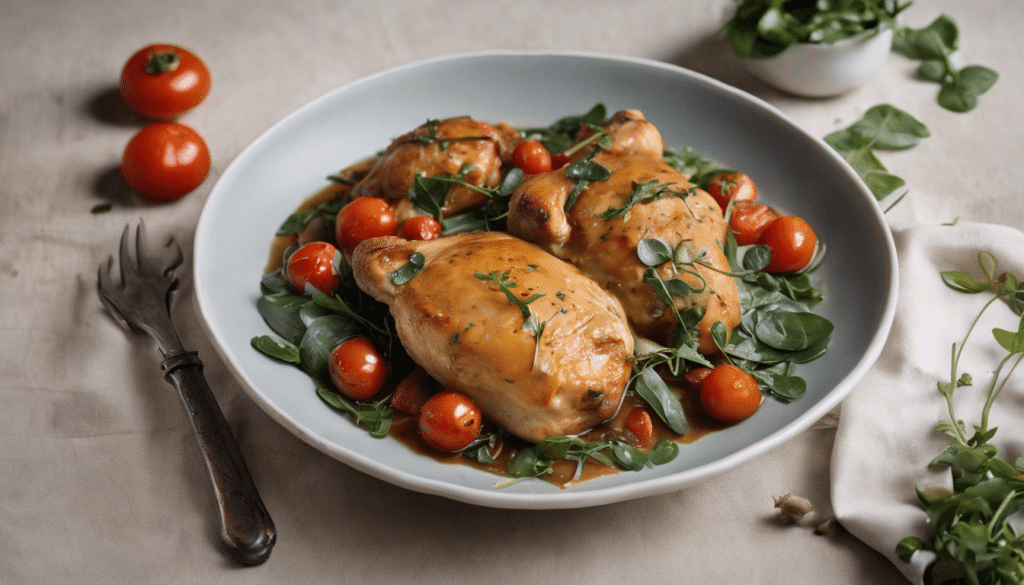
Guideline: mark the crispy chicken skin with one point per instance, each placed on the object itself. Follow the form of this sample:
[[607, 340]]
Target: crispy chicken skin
[[437, 147], [466, 333], [605, 249]]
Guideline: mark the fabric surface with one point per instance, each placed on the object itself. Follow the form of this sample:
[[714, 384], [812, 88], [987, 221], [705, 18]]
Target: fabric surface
[[886, 436], [100, 479]]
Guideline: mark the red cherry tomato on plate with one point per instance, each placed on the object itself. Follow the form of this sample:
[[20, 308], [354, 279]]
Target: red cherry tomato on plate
[[364, 218], [356, 368], [748, 220], [449, 421], [165, 161], [164, 81], [412, 392], [792, 242], [732, 186], [314, 265], [531, 157], [421, 227], [639, 423], [729, 394]]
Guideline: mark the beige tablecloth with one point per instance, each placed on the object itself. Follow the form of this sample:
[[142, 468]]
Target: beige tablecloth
[[100, 479]]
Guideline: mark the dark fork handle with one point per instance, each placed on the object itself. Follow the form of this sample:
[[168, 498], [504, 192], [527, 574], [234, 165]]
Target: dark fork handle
[[246, 527]]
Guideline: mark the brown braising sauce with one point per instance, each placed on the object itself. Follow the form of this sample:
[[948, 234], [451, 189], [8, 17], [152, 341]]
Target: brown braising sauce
[[404, 428]]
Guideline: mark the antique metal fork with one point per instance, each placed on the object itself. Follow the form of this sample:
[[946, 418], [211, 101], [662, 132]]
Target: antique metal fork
[[142, 301]]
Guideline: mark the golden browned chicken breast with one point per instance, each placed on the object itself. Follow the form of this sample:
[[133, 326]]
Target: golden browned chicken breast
[[601, 230], [442, 146], [542, 349]]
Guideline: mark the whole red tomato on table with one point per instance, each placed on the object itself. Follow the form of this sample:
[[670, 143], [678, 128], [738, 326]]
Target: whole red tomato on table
[[165, 161], [163, 81]]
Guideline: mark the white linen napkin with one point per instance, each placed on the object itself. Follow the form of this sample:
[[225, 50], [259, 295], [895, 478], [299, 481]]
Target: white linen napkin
[[886, 435]]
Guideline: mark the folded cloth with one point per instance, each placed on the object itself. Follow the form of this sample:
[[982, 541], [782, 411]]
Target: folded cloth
[[886, 435]]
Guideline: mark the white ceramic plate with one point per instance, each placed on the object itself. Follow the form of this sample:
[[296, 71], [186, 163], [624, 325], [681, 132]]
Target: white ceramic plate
[[793, 170]]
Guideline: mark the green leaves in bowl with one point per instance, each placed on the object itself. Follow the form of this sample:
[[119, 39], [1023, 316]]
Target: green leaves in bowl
[[765, 28]]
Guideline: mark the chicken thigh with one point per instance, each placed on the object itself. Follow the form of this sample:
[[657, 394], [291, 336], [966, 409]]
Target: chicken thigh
[[542, 349], [442, 146], [602, 229]]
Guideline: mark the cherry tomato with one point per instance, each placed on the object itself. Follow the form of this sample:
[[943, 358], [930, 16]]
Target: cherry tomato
[[748, 220], [727, 186], [729, 394], [421, 227], [165, 161], [638, 422], [559, 160], [792, 242], [695, 376], [164, 81], [364, 218], [356, 369], [449, 421], [412, 392], [531, 157], [314, 265]]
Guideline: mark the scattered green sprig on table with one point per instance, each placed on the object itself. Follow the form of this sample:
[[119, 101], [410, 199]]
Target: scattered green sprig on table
[[934, 45], [883, 127], [972, 538]]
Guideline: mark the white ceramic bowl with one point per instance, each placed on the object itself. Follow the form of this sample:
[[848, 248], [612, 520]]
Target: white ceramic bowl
[[824, 70], [797, 172]]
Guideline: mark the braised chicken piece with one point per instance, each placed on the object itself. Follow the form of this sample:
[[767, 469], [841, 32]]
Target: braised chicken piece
[[607, 221], [441, 147], [554, 362]]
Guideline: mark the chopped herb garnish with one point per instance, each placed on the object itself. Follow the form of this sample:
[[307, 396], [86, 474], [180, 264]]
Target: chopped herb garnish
[[644, 193]]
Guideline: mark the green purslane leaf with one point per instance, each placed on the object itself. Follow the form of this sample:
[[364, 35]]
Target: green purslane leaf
[[908, 546], [407, 271], [883, 127], [792, 331], [276, 348], [961, 281], [665, 404], [934, 45], [322, 335]]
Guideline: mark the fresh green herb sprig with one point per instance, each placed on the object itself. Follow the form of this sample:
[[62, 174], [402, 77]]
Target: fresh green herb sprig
[[430, 194], [561, 135], [538, 460], [765, 28], [934, 46], [972, 538], [531, 323], [777, 330], [586, 169], [643, 193], [883, 127], [309, 326], [699, 168]]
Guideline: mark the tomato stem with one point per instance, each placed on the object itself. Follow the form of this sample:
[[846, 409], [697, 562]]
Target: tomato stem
[[162, 62]]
